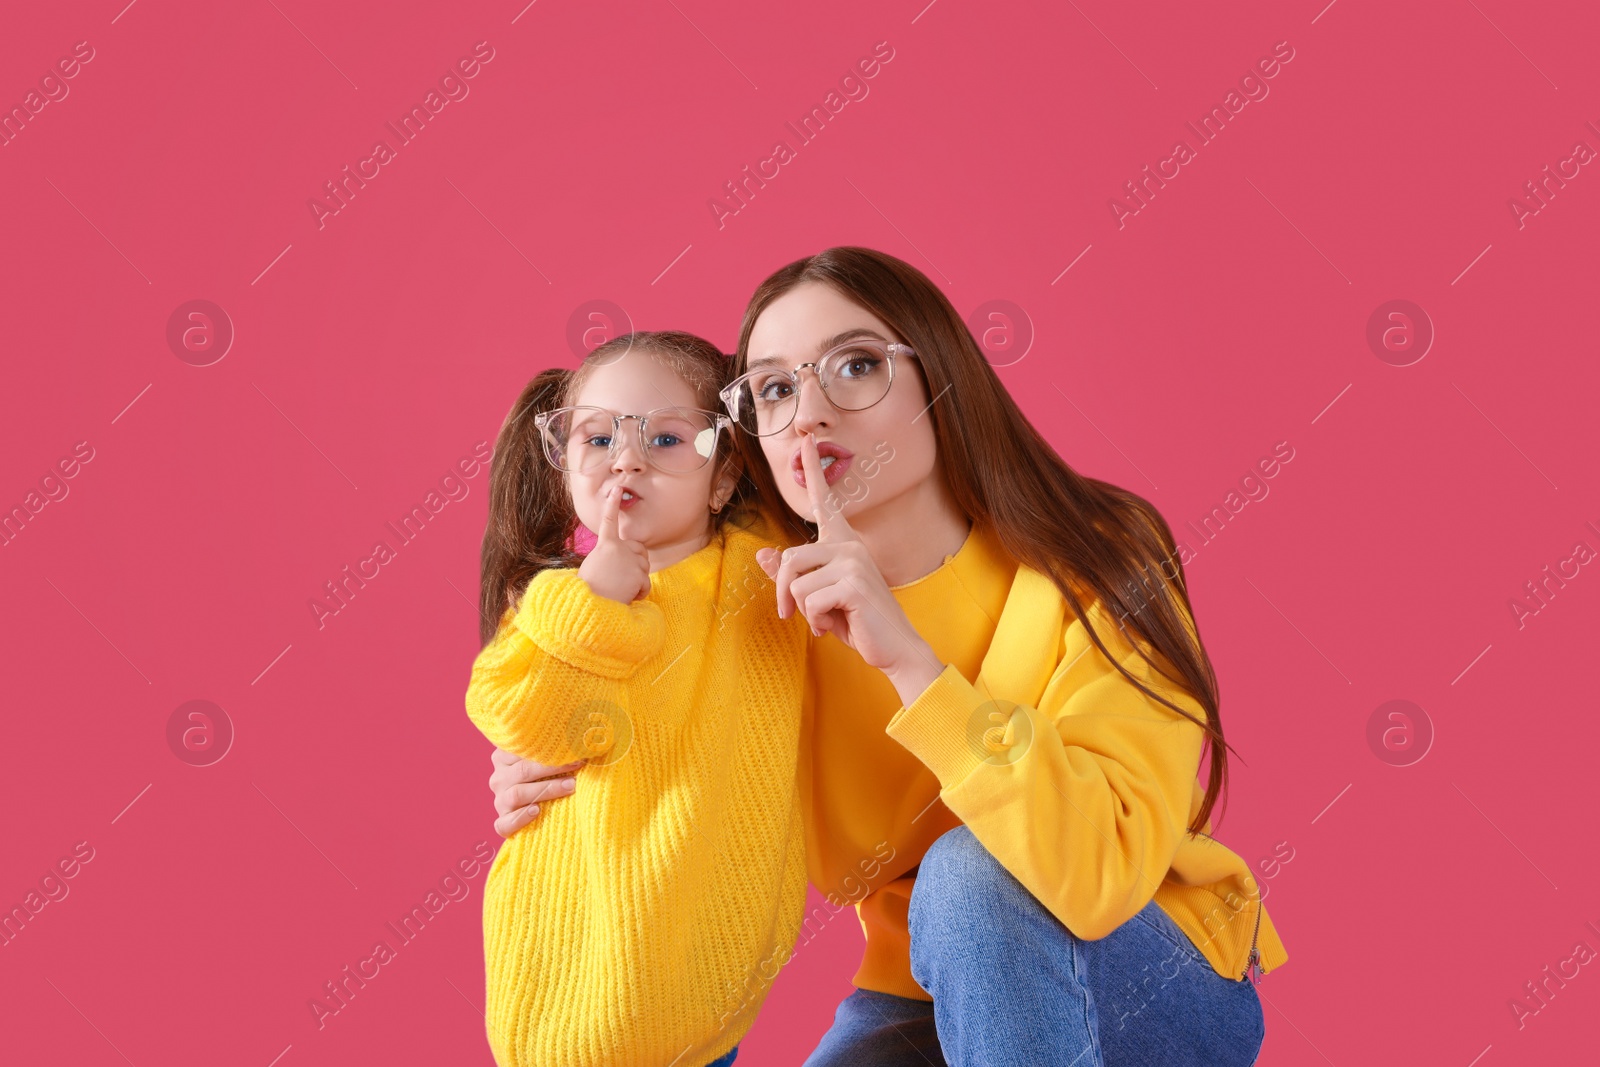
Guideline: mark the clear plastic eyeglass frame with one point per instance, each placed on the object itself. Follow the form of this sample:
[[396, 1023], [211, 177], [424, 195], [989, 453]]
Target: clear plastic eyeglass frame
[[555, 448], [734, 393]]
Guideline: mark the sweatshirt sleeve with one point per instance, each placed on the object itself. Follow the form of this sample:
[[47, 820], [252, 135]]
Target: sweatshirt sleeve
[[551, 684], [1084, 799]]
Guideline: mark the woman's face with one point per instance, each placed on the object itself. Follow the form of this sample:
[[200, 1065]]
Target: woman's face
[[882, 453]]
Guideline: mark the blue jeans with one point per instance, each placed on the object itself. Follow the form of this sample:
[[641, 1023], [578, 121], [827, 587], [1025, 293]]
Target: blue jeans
[[726, 1058], [1012, 986]]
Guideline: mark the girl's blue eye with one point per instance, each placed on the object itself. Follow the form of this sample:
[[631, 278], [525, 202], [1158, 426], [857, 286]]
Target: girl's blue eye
[[665, 440], [599, 440]]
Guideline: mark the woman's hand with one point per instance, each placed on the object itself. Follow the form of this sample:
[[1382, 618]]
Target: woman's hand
[[616, 568], [836, 585], [519, 784]]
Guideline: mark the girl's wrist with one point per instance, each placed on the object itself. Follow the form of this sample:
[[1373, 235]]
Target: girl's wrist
[[603, 589]]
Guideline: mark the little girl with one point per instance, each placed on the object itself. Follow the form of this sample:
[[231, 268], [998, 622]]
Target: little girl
[[643, 920]]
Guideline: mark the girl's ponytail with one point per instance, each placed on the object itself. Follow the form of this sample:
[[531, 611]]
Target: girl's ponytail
[[531, 521]]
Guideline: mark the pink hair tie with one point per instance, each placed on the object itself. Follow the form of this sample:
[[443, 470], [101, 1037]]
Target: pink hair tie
[[582, 540]]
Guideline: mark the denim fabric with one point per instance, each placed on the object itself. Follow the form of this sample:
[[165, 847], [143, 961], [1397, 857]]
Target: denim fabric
[[726, 1058], [1012, 986]]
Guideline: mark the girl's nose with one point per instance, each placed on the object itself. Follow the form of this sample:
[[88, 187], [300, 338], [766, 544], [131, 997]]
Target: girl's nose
[[626, 456], [627, 447]]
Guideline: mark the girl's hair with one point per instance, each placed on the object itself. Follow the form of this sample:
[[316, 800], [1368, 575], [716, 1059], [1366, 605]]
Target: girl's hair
[[1095, 539], [531, 519]]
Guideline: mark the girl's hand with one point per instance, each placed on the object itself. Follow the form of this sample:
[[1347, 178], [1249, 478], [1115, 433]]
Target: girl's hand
[[616, 568], [838, 588], [519, 784]]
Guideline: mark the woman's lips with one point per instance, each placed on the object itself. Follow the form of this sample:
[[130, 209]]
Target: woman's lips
[[833, 471]]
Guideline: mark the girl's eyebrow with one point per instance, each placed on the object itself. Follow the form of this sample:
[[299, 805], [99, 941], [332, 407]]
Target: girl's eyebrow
[[829, 342]]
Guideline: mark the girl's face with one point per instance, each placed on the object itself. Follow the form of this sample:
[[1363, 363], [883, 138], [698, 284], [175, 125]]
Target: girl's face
[[662, 508], [886, 458]]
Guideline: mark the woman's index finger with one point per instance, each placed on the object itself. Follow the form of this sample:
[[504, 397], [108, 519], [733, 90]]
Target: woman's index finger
[[831, 524]]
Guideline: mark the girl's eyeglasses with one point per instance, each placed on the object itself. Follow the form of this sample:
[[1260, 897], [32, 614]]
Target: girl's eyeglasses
[[853, 376], [583, 439]]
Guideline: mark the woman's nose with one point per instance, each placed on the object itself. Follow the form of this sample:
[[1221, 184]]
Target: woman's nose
[[813, 409]]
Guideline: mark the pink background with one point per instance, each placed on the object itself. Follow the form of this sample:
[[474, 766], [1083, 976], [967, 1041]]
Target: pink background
[[371, 354]]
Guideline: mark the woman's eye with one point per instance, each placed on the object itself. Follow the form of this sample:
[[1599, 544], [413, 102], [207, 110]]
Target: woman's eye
[[858, 366], [774, 389]]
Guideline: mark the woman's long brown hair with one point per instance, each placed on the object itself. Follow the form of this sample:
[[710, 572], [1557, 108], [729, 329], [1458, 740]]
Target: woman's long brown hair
[[531, 519], [1094, 539]]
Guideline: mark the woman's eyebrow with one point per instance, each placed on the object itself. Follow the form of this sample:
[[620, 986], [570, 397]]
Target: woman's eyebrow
[[822, 346], [848, 335]]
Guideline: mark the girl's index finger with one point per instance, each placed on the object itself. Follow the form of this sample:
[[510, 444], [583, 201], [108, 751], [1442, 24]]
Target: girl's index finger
[[608, 516]]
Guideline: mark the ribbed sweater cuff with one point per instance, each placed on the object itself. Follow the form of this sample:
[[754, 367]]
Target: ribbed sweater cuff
[[935, 727], [568, 620]]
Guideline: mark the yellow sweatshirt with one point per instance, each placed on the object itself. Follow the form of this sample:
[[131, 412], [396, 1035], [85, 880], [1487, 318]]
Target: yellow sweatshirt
[[1079, 784], [641, 920]]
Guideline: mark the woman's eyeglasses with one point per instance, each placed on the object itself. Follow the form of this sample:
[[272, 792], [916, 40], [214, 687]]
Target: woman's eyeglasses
[[583, 439], [853, 376]]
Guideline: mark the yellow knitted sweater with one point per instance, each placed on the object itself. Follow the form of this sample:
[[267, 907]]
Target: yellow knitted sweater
[[641, 920]]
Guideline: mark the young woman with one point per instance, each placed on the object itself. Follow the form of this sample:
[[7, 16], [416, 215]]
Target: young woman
[[998, 762]]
